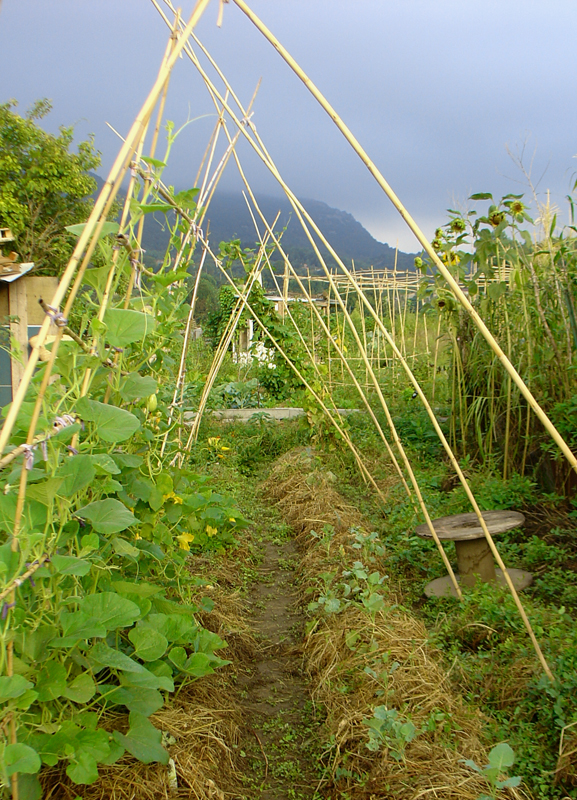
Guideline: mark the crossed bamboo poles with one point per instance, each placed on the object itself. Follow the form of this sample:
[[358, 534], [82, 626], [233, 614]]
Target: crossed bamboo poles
[[257, 145], [181, 37]]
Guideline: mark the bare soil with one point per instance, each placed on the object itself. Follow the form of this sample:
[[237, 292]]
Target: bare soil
[[279, 741]]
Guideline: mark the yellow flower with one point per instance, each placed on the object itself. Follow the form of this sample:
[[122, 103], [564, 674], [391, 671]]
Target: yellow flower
[[213, 441], [231, 519], [184, 540], [451, 258], [171, 496], [211, 531]]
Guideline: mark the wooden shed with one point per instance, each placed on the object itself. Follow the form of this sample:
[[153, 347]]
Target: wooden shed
[[20, 317]]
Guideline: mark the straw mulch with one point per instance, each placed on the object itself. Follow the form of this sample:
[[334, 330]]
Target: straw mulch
[[200, 730], [567, 764], [306, 495], [356, 663], [228, 618]]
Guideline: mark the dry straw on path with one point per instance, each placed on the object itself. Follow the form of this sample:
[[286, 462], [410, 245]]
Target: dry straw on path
[[345, 652]]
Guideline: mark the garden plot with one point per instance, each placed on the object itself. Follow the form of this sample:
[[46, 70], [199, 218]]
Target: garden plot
[[141, 651]]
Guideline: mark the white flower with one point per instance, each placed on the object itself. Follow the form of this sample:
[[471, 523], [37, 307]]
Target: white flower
[[242, 358], [263, 354]]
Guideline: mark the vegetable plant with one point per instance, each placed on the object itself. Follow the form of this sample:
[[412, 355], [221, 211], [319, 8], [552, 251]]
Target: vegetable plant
[[99, 603]]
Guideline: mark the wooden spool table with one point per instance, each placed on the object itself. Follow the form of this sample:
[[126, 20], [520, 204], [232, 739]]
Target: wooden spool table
[[474, 557]]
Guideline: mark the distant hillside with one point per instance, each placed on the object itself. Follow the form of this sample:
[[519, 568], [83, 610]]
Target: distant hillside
[[228, 218]]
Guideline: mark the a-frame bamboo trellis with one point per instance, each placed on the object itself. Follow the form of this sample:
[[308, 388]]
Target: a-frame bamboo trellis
[[232, 114]]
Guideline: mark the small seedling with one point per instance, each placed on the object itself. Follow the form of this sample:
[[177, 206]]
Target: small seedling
[[387, 728], [501, 758]]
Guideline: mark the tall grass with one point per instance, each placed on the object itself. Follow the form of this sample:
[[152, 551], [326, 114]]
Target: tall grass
[[522, 279]]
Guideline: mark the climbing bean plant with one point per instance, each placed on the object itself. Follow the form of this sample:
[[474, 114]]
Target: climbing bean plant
[[100, 605]]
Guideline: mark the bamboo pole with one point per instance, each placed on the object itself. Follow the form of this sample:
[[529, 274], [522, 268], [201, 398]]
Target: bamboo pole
[[375, 303], [179, 385], [170, 46], [329, 337], [529, 373], [312, 316], [416, 329], [508, 411], [205, 188], [302, 212], [404, 323], [424, 242], [380, 348], [343, 334], [106, 196], [427, 349], [436, 357], [393, 312], [364, 328]]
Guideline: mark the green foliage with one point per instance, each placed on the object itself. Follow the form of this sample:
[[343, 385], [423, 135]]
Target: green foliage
[[143, 740], [206, 298], [387, 728], [261, 440], [487, 651], [523, 283], [501, 758], [276, 377], [564, 416], [110, 621], [415, 428], [43, 186], [125, 326], [237, 394]]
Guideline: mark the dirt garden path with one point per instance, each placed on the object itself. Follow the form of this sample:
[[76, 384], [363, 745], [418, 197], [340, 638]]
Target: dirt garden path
[[250, 730], [279, 742]]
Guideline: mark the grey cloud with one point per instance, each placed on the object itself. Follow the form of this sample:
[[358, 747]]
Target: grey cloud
[[433, 90]]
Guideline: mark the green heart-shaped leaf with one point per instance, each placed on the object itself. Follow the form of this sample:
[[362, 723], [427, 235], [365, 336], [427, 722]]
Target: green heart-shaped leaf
[[143, 740], [126, 326], [149, 644], [110, 609], [112, 424], [107, 516]]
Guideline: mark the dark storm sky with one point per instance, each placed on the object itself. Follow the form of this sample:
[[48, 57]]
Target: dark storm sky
[[435, 90]]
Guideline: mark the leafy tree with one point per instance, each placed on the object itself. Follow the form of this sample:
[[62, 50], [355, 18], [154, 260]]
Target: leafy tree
[[43, 186], [207, 297]]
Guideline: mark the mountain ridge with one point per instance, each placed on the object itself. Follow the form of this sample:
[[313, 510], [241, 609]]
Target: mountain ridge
[[228, 218]]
